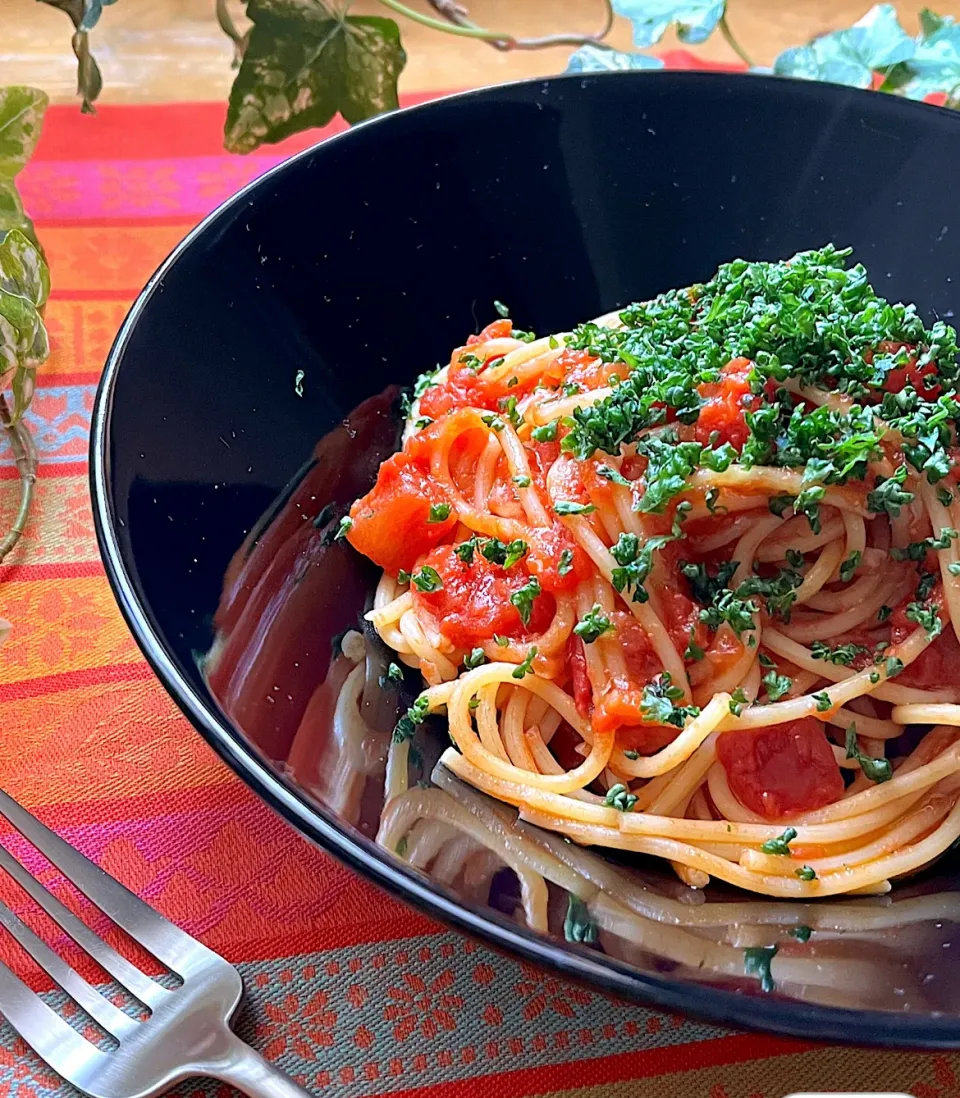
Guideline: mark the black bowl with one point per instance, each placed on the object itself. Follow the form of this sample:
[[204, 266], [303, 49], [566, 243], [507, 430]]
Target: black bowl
[[361, 262]]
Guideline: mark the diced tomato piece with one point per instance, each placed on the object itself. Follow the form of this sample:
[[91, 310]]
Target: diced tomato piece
[[936, 666], [474, 602], [462, 389], [586, 371], [582, 690], [782, 770], [547, 546], [390, 522], [541, 456], [897, 380], [621, 701], [498, 329], [724, 403], [642, 662], [681, 615], [645, 738]]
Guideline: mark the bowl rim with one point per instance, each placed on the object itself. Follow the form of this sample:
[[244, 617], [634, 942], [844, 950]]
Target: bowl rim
[[715, 1004]]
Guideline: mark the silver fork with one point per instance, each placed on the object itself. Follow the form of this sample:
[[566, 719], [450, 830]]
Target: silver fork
[[187, 1032]]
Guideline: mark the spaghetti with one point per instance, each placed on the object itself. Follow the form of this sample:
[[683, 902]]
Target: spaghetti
[[686, 580]]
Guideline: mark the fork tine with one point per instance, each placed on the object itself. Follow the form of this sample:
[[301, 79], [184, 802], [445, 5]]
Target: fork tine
[[148, 991], [45, 1031], [101, 1010], [170, 945]]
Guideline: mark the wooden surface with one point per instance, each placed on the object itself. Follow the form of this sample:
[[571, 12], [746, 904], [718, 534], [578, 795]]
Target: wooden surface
[[162, 50]]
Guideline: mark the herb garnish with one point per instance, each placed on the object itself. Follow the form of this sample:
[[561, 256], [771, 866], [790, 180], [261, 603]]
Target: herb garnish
[[877, 770], [593, 624], [657, 702]]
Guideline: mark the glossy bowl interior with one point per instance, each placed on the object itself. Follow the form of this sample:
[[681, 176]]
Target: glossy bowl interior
[[252, 393]]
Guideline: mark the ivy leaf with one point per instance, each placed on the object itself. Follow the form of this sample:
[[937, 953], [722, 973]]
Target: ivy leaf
[[84, 14], [303, 63], [695, 19], [21, 117], [935, 64], [592, 59], [874, 43], [24, 286]]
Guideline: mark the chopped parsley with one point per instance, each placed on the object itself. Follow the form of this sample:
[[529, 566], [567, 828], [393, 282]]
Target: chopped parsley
[[620, 798], [577, 925], [843, 655], [917, 550], [502, 310], [407, 725], [568, 507], [439, 512], [757, 962], [634, 562], [346, 525], [777, 685], [394, 674], [850, 565], [521, 481], [593, 624], [806, 873], [781, 844], [506, 554], [877, 770], [427, 579], [801, 933], [657, 703], [526, 667], [523, 598], [566, 562], [546, 433], [474, 659], [738, 701], [926, 617], [611, 474], [824, 704], [890, 495]]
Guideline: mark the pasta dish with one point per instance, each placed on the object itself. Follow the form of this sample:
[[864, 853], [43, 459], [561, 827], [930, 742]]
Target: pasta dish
[[685, 581]]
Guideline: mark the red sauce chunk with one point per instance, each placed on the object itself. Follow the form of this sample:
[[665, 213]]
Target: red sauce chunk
[[474, 602], [391, 522], [936, 666], [724, 403], [922, 378], [783, 770]]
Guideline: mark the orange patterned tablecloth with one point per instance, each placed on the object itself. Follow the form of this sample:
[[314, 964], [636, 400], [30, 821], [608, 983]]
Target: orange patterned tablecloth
[[349, 990]]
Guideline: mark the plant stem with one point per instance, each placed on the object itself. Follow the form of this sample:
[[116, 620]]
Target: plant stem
[[733, 43], [227, 25], [25, 455], [455, 21], [443, 25]]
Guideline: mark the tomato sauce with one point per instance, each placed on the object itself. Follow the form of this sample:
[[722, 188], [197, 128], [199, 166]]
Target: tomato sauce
[[724, 404], [474, 602], [391, 522], [783, 770]]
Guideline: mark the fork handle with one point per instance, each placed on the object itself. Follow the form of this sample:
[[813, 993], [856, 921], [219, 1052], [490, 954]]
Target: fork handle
[[244, 1068]]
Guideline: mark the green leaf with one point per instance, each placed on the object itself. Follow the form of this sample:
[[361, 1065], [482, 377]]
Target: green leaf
[[874, 43], [84, 14], [935, 63], [594, 59], [304, 63], [24, 286], [695, 19], [21, 119]]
